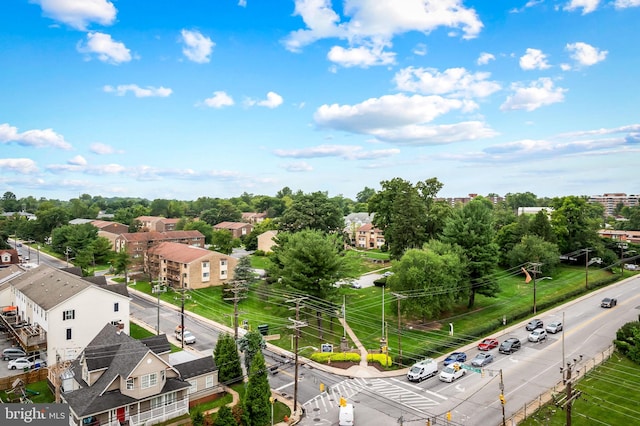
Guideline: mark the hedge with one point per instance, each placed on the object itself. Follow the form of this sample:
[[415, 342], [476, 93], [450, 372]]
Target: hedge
[[325, 357]]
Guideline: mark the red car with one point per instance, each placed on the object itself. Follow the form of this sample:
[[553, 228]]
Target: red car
[[488, 344]]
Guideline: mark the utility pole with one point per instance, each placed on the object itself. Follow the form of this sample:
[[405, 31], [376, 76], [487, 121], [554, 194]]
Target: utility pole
[[238, 289], [503, 401], [158, 289], [571, 394], [399, 298], [534, 268], [182, 297], [586, 268], [297, 324], [383, 339]]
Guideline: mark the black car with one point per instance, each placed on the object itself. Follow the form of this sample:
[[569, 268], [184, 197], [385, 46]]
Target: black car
[[534, 323], [510, 345], [609, 302]]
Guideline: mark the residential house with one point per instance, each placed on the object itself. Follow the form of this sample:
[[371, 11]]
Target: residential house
[[148, 223], [253, 217], [164, 225], [237, 229], [369, 237], [266, 241], [180, 265], [58, 313], [137, 243], [202, 375], [28, 216], [620, 235], [9, 257], [106, 229], [119, 380], [353, 221]]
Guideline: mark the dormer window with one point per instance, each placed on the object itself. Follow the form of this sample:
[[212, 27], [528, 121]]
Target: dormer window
[[130, 383]]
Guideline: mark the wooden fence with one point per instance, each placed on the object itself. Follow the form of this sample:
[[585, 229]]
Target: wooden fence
[[32, 376]]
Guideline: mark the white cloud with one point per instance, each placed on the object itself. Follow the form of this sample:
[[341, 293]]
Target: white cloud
[[79, 14], [348, 152], [273, 101], [297, 167], [485, 58], [197, 47], [455, 81], [587, 6], [565, 67], [20, 165], [420, 49], [401, 119], [37, 138], [138, 92], [242, 3], [103, 149], [78, 160], [623, 4], [218, 100], [360, 56], [534, 59], [371, 23], [585, 54], [539, 93], [96, 170], [105, 48]]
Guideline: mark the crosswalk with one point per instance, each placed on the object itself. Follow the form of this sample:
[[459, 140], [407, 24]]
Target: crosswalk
[[401, 392]]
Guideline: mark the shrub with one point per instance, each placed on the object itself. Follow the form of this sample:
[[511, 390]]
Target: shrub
[[325, 357], [382, 359]]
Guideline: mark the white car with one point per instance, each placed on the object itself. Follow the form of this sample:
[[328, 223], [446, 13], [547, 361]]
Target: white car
[[452, 372], [538, 335], [19, 363], [189, 338]]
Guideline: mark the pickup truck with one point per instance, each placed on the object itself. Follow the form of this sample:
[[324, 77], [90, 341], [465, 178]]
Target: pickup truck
[[189, 338]]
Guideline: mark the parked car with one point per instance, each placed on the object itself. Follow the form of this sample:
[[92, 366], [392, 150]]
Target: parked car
[[452, 372], [422, 370], [189, 338], [533, 324], [488, 344], [609, 302], [19, 363], [538, 335], [356, 284], [510, 345], [13, 353], [455, 357], [554, 327], [482, 359]]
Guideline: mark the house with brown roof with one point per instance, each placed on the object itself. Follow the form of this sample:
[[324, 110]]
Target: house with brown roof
[[180, 265], [157, 223], [9, 257], [253, 217], [237, 229], [119, 380], [136, 244], [369, 237]]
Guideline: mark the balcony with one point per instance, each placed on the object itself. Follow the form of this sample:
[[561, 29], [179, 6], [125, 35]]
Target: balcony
[[31, 337]]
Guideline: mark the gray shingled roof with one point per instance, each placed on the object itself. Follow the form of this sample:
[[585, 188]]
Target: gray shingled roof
[[119, 353], [197, 367]]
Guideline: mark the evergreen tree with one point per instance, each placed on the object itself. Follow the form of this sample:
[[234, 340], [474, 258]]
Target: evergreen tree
[[256, 399], [227, 360], [225, 417], [251, 343]]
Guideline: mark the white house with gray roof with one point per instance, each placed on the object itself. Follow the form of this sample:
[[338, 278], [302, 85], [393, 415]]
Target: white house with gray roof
[[59, 312]]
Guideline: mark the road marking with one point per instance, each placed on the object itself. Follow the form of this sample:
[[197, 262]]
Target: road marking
[[284, 386], [138, 306]]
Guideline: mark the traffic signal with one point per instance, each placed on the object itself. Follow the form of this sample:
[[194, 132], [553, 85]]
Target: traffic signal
[[343, 402], [502, 400], [456, 366], [448, 416], [321, 387]]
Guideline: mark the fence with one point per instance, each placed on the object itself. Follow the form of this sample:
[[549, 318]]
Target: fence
[[544, 398], [27, 378]]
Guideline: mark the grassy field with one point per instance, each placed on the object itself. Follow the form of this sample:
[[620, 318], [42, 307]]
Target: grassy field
[[44, 395], [272, 305], [610, 396], [137, 332]]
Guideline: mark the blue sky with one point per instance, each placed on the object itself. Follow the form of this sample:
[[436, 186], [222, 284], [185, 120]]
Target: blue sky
[[175, 99]]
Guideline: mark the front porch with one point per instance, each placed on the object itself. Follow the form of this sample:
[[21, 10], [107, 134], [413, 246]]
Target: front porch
[[133, 416]]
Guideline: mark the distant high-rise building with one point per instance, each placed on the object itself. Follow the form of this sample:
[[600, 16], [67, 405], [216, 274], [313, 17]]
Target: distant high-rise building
[[611, 201]]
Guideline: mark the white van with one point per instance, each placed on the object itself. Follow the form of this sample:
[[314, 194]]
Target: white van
[[345, 418], [422, 370]]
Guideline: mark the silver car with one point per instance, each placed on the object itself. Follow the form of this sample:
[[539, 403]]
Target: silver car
[[538, 335]]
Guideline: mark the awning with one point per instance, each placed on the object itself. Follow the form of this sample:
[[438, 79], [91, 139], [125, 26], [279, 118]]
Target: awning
[[9, 308]]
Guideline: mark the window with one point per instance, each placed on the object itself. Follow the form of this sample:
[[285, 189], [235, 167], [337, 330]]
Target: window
[[116, 307], [148, 380], [68, 334], [130, 383], [223, 262], [209, 382], [157, 402], [205, 275], [69, 315], [194, 386], [170, 398]]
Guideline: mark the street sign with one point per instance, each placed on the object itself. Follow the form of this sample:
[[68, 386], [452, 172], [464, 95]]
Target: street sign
[[467, 367], [326, 347]]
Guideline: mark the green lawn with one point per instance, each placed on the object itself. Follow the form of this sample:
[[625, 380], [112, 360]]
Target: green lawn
[[610, 395], [138, 332], [44, 395], [271, 304]]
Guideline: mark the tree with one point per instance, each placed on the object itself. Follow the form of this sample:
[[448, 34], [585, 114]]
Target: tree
[[227, 360], [256, 399], [251, 343], [204, 228], [365, 195], [225, 417], [222, 241], [541, 226], [310, 262], [313, 211], [575, 223], [102, 251], [121, 264], [471, 227], [628, 340], [223, 211], [75, 237], [521, 199], [51, 218], [532, 248], [9, 202], [433, 276]]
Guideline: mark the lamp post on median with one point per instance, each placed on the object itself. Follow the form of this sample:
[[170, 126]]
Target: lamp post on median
[[534, 291]]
